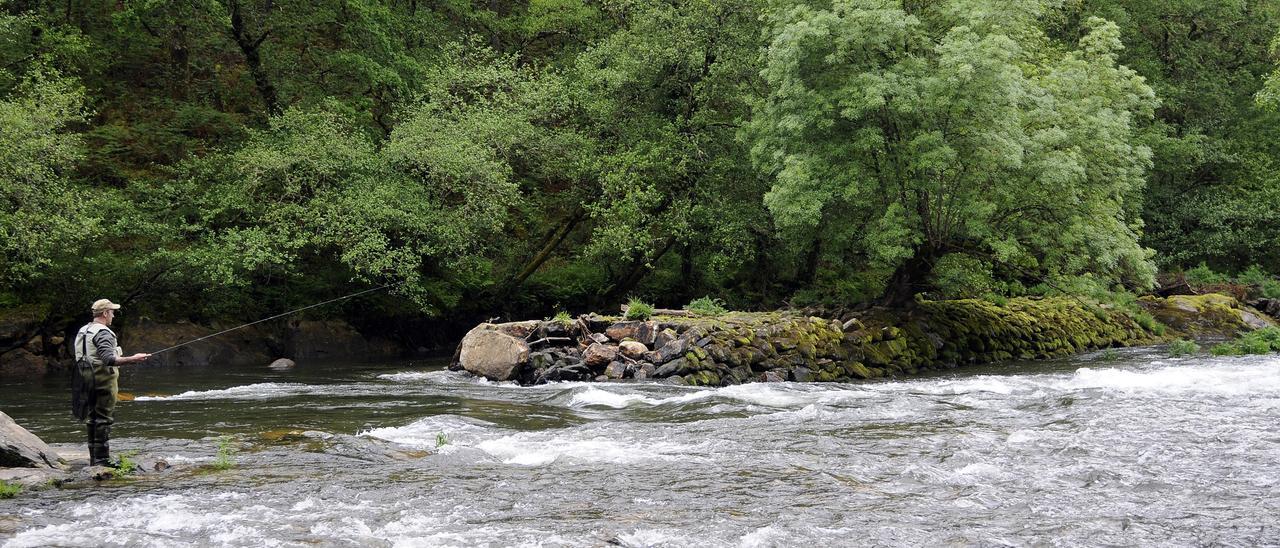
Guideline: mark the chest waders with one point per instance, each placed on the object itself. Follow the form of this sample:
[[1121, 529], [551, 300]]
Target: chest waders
[[102, 398]]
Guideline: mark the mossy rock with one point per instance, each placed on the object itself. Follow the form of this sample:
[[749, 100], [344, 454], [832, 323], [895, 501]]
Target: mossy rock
[[1200, 316]]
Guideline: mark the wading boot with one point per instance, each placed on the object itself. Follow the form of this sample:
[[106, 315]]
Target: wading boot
[[100, 447], [93, 444]]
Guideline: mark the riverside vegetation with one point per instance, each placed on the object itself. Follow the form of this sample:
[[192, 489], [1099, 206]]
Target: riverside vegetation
[[219, 161]]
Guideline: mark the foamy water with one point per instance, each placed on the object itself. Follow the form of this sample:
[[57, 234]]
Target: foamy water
[[1142, 451]]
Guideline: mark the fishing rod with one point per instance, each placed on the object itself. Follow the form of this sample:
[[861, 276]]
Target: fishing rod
[[280, 315]]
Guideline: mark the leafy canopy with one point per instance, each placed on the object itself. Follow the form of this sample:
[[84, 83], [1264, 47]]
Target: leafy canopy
[[956, 127]]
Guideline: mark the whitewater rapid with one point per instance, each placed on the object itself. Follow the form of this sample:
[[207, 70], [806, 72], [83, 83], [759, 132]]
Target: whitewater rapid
[[1141, 451]]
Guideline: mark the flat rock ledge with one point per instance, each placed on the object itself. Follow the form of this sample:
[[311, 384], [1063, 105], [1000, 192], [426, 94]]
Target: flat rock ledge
[[742, 347]]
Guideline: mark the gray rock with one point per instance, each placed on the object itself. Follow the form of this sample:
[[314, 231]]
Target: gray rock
[[773, 376], [600, 338], [615, 370], [646, 371], [282, 364], [22, 449], [33, 479], [673, 367], [672, 350], [663, 337], [802, 374], [492, 354]]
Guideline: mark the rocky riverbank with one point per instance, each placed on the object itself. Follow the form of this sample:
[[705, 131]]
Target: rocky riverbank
[[741, 347], [33, 353]]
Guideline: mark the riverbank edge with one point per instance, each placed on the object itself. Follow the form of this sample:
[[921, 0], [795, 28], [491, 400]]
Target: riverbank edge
[[742, 347]]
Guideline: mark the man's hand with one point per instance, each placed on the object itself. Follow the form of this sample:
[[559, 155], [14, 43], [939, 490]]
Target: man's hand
[[139, 357]]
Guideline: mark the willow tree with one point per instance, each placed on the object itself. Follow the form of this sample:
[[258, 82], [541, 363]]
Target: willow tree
[[928, 129]]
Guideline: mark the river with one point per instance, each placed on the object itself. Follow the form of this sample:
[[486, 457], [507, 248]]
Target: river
[[1139, 451]]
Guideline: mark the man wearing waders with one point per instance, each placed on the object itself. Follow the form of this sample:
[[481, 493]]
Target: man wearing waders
[[96, 343]]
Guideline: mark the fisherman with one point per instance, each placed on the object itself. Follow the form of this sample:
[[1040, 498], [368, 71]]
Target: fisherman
[[97, 342]]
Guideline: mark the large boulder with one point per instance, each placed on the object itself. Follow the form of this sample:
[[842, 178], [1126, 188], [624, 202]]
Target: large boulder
[[320, 339], [643, 332], [22, 449], [21, 361], [632, 349], [1205, 315], [598, 355], [492, 354]]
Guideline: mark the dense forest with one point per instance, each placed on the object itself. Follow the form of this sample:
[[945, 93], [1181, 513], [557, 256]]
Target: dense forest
[[227, 159]]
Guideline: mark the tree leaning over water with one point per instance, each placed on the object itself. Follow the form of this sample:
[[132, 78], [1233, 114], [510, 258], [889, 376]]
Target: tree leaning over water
[[955, 133]]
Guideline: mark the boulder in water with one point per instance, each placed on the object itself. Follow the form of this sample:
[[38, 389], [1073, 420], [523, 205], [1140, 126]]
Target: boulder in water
[[282, 364], [492, 354], [22, 449]]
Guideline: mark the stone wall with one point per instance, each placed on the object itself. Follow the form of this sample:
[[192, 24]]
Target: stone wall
[[741, 347]]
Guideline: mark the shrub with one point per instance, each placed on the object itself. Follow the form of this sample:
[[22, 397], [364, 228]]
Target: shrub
[[1262, 341], [562, 317], [9, 490], [997, 299], [1226, 349], [1254, 275], [1203, 275], [225, 459], [638, 310], [1182, 347], [706, 306], [441, 440], [125, 466], [1271, 289]]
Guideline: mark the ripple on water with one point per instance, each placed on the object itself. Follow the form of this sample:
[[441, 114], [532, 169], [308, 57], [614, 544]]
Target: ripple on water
[[1129, 452]]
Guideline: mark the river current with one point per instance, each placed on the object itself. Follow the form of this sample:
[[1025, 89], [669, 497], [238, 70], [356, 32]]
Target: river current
[[1139, 451]]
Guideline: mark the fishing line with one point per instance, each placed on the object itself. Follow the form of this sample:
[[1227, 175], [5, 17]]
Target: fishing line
[[280, 315]]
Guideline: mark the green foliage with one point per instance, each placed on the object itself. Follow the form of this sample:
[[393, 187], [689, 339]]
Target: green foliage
[[1148, 322], [562, 317], [638, 310], [1203, 275], [125, 465], [1254, 275], [225, 457], [1262, 341], [706, 306], [958, 127], [9, 490], [996, 299], [1182, 347], [441, 440], [814, 152], [959, 276], [44, 218]]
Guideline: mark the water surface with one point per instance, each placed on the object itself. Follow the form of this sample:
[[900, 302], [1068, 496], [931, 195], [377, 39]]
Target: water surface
[[1141, 451]]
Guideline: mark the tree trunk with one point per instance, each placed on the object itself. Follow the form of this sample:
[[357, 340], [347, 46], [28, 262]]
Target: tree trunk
[[250, 47], [809, 270], [909, 278], [550, 244], [640, 267]]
